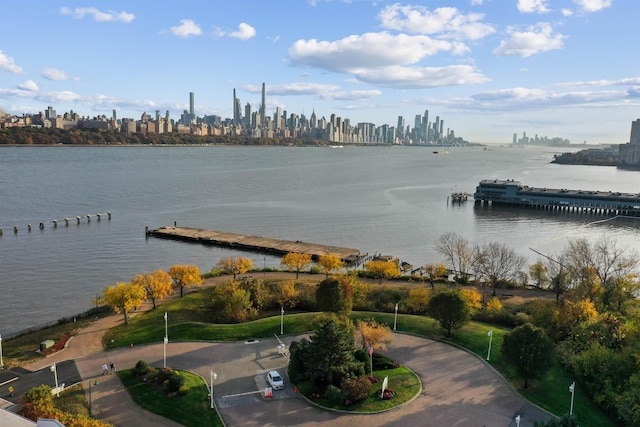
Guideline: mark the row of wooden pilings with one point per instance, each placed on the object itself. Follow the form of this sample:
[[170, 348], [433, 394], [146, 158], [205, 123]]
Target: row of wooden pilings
[[55, 222]]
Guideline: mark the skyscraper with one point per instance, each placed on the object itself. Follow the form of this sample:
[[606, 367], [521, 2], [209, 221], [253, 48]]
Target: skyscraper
[[263, 106], [191, 103]]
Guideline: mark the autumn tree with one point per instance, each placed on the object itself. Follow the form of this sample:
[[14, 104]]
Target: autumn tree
[[473, 298], [458, 251], [235, 266], [529, 350], [434, 272], [296, 261], [122, 297], [284, 293], [383, 269], [538, 272], [157, 285], [418, 300], [373, 335], [185, 276], [334, 295], [450, 309], [231, 303], [330, 263], [497, 262]]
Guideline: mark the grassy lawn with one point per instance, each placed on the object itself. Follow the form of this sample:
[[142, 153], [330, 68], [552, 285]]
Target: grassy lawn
[[401, 380], [191, 410]]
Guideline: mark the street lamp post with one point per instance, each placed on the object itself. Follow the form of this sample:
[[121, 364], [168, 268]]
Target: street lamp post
[[572, 389], [1, 361], [281, 320], [55, 375], [395, 319], [517, 420], [166, 339], [91, 383], [213, 377], [490, 333]]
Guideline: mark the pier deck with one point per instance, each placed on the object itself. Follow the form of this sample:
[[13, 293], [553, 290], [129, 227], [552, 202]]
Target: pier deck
[[254, 243]]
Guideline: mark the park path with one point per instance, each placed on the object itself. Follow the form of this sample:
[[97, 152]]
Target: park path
[[458, 388]]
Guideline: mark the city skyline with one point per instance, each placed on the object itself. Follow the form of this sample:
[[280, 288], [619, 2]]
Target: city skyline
[[560, 68]]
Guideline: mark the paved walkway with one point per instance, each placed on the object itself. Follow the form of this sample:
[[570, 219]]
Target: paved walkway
[[458, 388]]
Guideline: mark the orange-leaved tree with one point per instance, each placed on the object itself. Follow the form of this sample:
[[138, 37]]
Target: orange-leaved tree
[[330, 263], [157, 285], [296, 261], [383, 269], [373, 335], [237, 265], [185, 276], [122, 297]]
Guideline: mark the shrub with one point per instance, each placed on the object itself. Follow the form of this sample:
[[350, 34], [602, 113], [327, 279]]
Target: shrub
[[141, 368], [176, 380], [165, 385], [382, 362], [163, 375], [357, 388], [363, 356], [183, 390], [333, 394]]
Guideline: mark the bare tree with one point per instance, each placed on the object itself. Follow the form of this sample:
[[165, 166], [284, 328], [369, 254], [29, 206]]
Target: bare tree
[[458, 251], [497, 262]]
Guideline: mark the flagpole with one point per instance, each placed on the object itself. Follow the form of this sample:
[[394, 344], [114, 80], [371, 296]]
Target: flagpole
[[166, 340], [490, 333]]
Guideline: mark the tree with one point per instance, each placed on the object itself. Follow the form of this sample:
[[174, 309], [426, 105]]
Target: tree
[[373, 335], [122, 297], [157, 285], [497, 262], [450, 309], [185, 276], [330, 263], [237, 265], [330, 358], [334, 295], [529, 350], [296, 261], [538, 272], [472, 298], [231, 303], [434, 272], [383, 269], [418, 300], [458, 252], [284, 293]]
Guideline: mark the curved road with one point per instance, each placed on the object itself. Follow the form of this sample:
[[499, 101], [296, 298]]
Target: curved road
[[459, 389]]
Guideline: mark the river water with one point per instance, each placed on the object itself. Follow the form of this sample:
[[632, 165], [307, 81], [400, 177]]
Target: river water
[[389, 200]]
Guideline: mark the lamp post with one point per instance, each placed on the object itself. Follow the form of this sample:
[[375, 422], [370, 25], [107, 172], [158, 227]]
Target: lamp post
[[1, 361], [517, 420], [91, 383], [572, 389], [281, 320], [166, 339], [264, 268], [395, 319], [55, 375], [490, 333], [213, 377]]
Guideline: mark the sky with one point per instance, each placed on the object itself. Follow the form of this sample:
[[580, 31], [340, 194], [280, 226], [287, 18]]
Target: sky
[[488, 68]]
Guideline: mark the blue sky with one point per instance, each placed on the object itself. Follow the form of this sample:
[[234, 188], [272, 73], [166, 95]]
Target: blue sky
[[488, 68]]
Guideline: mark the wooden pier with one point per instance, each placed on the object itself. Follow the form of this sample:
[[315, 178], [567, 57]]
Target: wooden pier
[[254, 243]]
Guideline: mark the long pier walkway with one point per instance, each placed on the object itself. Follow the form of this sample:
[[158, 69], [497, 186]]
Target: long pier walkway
[[254, 243]]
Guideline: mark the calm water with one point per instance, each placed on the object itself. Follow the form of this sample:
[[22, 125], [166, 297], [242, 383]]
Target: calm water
[[390, 200]]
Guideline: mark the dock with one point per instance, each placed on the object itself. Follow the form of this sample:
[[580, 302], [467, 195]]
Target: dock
[[254, 243]]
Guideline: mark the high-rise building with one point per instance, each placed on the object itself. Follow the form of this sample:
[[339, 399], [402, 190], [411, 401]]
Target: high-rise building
[[263, 106], [400, 127], [635, 132], [191, 104]]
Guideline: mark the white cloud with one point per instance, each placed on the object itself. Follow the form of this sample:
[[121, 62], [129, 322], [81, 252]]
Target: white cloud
[[531, 6], [186, 28], [98, 15], [245, 32], [476, 2], [55, 74], [567, 12], [593, 5], [538, 38], [422, 77], [446, 22], [7, 64], [351, 95], [296, 88], [631, 81], [370, 50], [29, 85]]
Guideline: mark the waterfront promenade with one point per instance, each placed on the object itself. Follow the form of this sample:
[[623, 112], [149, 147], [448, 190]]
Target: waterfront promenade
[[458, 387]]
